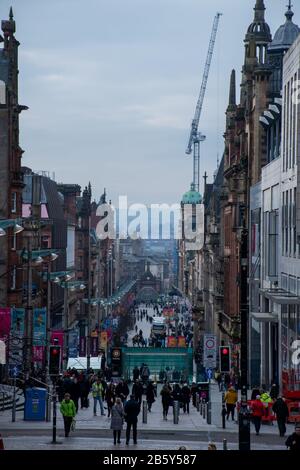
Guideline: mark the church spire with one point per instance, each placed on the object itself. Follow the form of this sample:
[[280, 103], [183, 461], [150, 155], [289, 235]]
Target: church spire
[[232, 90], [11, 14], [259, 10]]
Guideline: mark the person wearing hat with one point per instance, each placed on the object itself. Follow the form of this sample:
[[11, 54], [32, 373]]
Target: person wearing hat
[[293, 441]]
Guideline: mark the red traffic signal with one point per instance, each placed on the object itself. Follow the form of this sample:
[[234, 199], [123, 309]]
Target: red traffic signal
[[224, 358], [54, 360]]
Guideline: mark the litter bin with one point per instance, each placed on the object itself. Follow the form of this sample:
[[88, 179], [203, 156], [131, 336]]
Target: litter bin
[[35, 404]]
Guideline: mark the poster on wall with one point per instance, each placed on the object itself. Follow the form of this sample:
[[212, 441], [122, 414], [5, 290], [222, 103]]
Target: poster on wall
[[5, 317], [73, 343], [17, 336]]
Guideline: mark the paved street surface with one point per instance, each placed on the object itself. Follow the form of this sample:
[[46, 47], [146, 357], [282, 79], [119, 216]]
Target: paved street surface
[[92, 431]]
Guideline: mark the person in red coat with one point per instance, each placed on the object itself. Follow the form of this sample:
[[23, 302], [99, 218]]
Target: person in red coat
[[258, 410]]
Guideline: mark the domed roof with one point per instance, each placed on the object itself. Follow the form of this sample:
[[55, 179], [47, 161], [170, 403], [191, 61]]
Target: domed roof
[[286, 33], [259, 28], [192, 196]]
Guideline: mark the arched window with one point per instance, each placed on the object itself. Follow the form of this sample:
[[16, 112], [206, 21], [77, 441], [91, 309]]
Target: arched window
[[2, 92]]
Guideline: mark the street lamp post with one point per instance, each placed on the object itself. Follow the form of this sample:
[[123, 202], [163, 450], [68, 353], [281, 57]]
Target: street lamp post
[[244, 415]]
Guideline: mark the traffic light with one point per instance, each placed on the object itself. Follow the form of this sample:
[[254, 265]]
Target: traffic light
[[224, 353], [54, 360]]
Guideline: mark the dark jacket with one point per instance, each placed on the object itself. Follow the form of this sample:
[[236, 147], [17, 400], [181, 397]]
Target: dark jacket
[[186, 393], [166, 397], [122, 390], [293, 442], [150, 393], [136, 373], [281, 409], [131, 410], [137, 390]]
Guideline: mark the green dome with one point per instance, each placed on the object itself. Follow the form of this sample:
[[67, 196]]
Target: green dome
[[192, 196]]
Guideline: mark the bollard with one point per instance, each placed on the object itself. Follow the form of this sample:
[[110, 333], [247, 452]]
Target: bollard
[[201, 406], [145, 411], [223, 416], [208, 413], [225, 444], [176, 412], [204, 411], [197, 402]]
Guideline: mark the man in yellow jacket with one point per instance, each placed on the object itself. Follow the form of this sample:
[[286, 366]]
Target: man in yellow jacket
[[68, 410], [231, 397]]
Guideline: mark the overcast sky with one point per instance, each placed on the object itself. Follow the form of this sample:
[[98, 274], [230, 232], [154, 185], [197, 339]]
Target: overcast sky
[[112, 86]]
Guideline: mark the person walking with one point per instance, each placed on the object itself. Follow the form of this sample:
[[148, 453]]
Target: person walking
[[274, 391], [166, 400], [137, 391], [231, 397], [97, 390], [258, 411], [75, 392], [110, 397], [136, 374], [194, 391], [293, 441], [131, 410], [68, 410], [282, 413], [186, 397], [117, 420], [150, 395]]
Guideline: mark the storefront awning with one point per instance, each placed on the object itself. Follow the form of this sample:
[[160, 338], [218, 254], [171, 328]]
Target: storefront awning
[[280, 296]]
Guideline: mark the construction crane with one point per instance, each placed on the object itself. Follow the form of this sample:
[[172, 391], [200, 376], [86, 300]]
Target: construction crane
[[195, 136]]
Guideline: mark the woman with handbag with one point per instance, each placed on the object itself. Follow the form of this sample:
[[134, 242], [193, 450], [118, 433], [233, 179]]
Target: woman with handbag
[[117, 420]]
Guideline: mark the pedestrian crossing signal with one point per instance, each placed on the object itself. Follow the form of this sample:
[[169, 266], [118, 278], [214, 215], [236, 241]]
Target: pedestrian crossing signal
[[224, 356], [54, 360]]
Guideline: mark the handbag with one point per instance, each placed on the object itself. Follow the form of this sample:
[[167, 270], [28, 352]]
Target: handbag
[[73, 424]]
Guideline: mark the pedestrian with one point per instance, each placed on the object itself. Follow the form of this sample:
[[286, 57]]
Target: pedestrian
[[186, 397], [212, 446], [117, 420], [255, 392], [75, 392], [122, 390], [97, 390], [293, 441], [150, 395], [84, 392], [166, 400], [258, 412], [194, 391], [282, 412], [137, 391], [110, 397], [68, 410], [274, 392], [131, 410], [231, 397]]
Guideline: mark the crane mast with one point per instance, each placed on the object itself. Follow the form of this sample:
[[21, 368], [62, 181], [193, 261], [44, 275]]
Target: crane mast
[[195, 136]]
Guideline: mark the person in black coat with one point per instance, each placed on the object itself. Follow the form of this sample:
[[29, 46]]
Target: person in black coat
[[75, 392], [186, 396], [150, 395], [177, 394], [274, 392], [293, 441], [282, 413], [84, 391], [136, 374], [137, 391], [131, 410]]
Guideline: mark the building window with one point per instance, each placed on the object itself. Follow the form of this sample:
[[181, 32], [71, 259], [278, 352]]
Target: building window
[[273, 243], [284, 281], [13, 202], [45, 241]]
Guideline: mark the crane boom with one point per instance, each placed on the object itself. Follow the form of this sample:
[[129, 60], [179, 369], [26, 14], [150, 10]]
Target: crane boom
[[195, 122]]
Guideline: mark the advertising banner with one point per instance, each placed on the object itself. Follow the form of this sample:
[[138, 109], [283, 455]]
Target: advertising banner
[[94, 346], [5, 316], [39, 326], [73, 343], [57, 335], [181, 342], [16, 343], [38, 353], [172, 342], [82, 346]]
